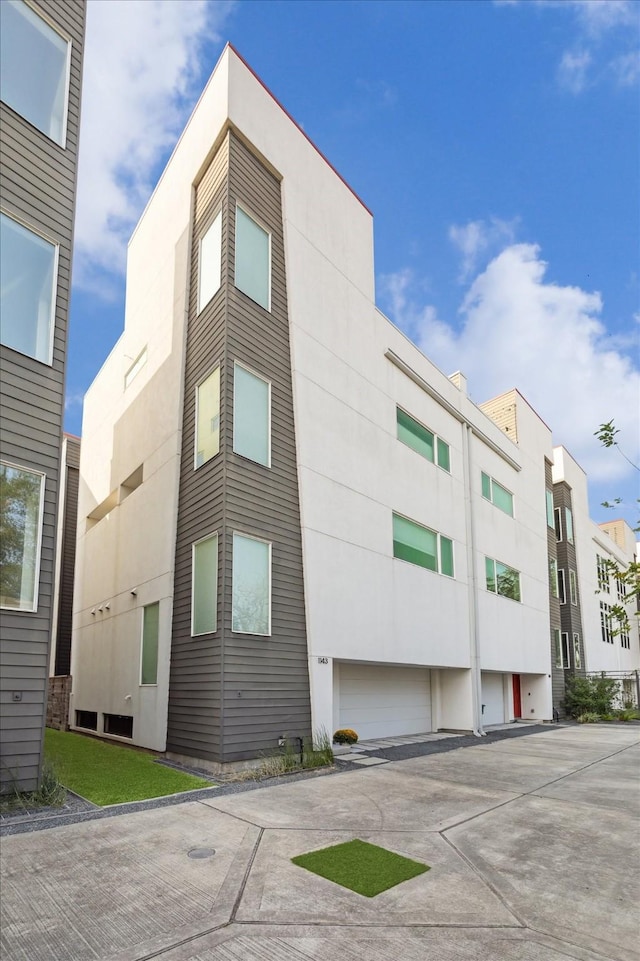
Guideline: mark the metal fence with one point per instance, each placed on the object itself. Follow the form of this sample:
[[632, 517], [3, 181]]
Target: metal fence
[[628, 686]]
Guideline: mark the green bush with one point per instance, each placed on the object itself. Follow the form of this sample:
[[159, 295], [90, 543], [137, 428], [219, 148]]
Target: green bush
[[590, 695], [627, 714], [589, 717], [345, 736]]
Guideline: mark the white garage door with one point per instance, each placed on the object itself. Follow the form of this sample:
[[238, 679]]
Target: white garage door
[[492, 698], [384, 701]]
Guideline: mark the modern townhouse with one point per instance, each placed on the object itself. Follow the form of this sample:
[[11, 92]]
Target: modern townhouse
[[588, 553], [289, 518], [41, 65]]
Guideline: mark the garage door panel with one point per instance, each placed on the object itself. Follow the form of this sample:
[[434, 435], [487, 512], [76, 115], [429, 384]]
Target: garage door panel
[[379, 701]]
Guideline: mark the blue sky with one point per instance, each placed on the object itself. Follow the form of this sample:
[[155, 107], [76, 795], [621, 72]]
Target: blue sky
[[496, 143]]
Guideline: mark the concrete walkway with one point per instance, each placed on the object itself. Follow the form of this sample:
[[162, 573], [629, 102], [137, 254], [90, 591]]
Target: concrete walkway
[[533, 844]]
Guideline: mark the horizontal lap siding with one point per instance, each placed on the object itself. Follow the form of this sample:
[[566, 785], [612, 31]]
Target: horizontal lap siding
[[38, 182], [196, 662], [237, 704]]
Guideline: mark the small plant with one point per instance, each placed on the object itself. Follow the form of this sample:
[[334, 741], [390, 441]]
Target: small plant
[[51, 793], [590, 695], [345, 736], [627, 714], [589, 717]]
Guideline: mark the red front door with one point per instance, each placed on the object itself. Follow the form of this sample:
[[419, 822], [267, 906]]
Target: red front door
[[517, 700]]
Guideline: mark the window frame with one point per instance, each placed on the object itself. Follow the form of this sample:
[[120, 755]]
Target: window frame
[[438, 555], [603, 574], [62, 143], [562, 585], [38, 551], [568, 525], [564, 645], [606, 630], [141, 682], [551, 522], [210, 373], [492, 482], [573, 586], [260, 540], [438, 441], [210, 536], [577, 658], [201, 306], [557, 516], [262, 225], [494, 562], [21, 222], [554, 584], [265, 380]]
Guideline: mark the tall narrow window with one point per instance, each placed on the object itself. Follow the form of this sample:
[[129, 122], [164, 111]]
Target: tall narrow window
[[553, 577], [573, 587], [204, 586], [562, 587], [577, 659], [207, 418], [251, 416], [21, 496], [558, 524], [28, 271], [34, 72], [557, 645], [603, 573], [253, 259], [549, 499], [444, 459], [564, 644], [251, 586], [606, 625], [150, 633], [568, 522], [209, 264]]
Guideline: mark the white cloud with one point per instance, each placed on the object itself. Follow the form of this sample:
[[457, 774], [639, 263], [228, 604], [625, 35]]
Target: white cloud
[[519, 330], [141, 76], [478, 237], [573, 68]]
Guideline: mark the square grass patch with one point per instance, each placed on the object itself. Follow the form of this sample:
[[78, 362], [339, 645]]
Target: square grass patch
[[364, 868]]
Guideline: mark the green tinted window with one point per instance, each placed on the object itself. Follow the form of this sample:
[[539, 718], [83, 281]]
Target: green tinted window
[[253, 259], [150, 630], [443, 455], [415, 544], [508, 581], [204, 601], [486, 486], [414, 435], [490, 570], [550, 518], [502, 498], [446, 556]]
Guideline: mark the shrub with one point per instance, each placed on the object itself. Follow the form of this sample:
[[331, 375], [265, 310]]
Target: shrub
[[627, 714], [590, 695], [345, 736], [589, 717]]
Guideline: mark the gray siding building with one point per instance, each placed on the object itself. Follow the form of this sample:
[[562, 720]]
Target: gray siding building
[[42, 51]]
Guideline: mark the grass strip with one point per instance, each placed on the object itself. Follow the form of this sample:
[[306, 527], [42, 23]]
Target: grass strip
[[362, 867], [112, 774]]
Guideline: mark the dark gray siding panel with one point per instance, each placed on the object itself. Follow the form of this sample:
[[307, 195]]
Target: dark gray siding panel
[[570, 614], [557, 674], [37, 187], [262, 689]]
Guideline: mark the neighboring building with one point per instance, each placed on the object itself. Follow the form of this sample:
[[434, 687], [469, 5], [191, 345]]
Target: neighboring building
[[41, 65], [289, 519], [590, 549]]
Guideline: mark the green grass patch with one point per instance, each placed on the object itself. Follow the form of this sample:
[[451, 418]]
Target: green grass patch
[[361, 867], [110, 774]]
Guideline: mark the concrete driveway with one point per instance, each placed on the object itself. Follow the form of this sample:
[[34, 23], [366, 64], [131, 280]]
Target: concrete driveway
[[533, 845]]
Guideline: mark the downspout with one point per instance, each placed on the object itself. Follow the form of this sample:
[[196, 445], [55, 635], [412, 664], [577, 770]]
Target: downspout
[[474, 636]]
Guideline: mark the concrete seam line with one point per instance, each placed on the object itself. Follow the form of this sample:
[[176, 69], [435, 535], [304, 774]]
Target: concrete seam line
[[581, 948], [174, 944], [476, 870], [239, 896], [382, 926], [237, 817]]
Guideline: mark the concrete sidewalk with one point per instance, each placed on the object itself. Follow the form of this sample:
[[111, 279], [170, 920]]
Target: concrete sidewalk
[[533, 844]]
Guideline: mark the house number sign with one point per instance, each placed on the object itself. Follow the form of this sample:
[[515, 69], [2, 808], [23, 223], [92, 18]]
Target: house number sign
[[323, 660]]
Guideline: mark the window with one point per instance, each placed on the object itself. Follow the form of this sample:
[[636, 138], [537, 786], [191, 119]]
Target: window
[[21, 498], [204, 586], [553, 577], [209, 262], [558, 523], [573, 587], [135, 368], [28, 271], [621, 589], [502, 580], [568, 523], [564, 646], [557, 646], [251, 416], [603, 573], [253, 259], [606, 626], [207, 418], [562, 587], [497, 494], [577, 660], [422, 440], [550, 517], [625, 639], [251, 586], [34, 78], [421, 546], [150, 631]]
